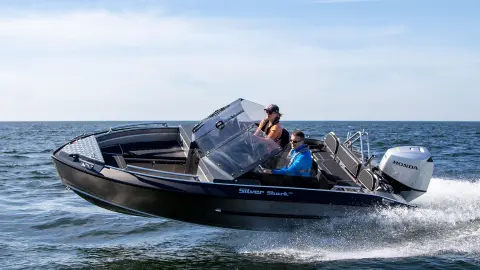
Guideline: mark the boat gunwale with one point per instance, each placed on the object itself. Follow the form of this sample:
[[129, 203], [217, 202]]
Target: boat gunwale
[[283, 188]]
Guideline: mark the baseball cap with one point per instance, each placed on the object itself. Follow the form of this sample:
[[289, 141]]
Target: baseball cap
[[272, 108]]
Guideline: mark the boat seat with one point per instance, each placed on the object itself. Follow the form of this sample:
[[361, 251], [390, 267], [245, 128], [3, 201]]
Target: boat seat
[[367, 178], [351, 162], [333, 168], [332, 142], [323, 156]]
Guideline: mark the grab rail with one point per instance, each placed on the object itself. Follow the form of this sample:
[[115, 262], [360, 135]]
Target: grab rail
[[335, 187], [359, 136], [164, 172], [120, 127], [193, 177]]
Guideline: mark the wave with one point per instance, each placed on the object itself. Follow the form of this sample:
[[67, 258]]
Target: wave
[[447, 220], [15, 151]]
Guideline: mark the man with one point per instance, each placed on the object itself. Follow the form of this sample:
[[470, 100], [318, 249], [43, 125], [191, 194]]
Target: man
[[300, 158], [271, 124]]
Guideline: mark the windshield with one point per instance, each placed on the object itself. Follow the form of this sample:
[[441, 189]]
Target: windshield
[[204, 126], [227, 123], [243, 152]]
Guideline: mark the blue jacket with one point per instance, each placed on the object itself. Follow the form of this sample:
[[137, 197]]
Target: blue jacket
[[300, 163]]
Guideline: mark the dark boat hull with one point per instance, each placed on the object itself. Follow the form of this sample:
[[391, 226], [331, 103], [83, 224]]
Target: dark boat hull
[[219, 205]]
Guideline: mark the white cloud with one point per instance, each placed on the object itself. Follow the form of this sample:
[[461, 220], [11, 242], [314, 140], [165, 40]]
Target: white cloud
[[98, 65]]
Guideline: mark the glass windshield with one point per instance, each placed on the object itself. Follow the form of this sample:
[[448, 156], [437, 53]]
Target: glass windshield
[[227, 123], [243, 152]]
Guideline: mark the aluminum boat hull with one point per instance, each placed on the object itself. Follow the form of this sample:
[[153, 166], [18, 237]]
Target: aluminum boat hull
[[214, 204]]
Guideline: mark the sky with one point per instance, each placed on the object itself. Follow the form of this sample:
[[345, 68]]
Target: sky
[[392, 60]]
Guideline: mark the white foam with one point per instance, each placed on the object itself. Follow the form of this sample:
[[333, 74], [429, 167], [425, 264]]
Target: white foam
[[447, 220]]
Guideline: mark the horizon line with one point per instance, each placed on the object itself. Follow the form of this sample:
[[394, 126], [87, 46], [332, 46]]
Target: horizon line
[[146, 121]]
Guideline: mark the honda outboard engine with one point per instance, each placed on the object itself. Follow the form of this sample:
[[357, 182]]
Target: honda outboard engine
[[408, 169]]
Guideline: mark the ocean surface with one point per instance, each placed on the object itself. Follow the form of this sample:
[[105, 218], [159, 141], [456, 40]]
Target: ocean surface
[[45, 226]]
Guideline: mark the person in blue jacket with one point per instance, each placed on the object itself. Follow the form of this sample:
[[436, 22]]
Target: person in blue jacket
[[300, 163]]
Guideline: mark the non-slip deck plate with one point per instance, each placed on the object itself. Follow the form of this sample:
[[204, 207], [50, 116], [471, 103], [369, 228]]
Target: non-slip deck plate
[[87, 147]]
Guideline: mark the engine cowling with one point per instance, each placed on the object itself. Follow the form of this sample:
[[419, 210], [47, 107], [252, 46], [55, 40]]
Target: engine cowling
[[408, 169]]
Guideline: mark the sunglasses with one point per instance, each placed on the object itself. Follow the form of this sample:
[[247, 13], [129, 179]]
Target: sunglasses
[[269, 112], [294, 141]]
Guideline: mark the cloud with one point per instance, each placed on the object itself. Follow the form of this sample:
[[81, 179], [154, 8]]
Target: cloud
[[101, 65]]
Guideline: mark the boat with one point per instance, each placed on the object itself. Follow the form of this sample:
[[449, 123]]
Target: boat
[[212, 173]]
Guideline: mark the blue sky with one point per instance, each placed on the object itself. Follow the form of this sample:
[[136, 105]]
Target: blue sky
[[316, 59]]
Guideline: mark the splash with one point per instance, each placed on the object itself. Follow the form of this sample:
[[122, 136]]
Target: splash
[[447, 220]]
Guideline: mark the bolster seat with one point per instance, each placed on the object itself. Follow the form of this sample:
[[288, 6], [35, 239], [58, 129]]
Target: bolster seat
[[367, 178], [351, 162], [332, 143]]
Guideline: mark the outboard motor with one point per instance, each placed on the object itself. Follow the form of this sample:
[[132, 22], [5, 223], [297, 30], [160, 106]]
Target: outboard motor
[[408, 169]]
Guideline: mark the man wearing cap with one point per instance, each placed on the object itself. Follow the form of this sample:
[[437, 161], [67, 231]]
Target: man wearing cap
[[300, 158], [271, 124]]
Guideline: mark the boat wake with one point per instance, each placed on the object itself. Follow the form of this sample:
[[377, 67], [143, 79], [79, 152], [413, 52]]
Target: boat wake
[[446, 221]]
